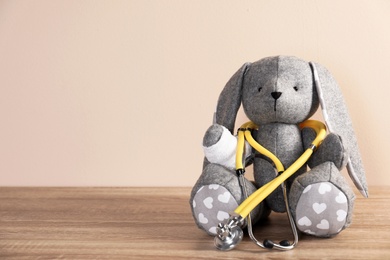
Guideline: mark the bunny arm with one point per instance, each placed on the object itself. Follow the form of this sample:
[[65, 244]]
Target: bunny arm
[[330, 150], [219, 146]]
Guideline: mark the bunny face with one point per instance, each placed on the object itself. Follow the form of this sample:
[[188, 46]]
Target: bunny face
[[279, 89]]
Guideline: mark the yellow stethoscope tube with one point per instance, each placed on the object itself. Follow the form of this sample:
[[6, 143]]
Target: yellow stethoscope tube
[[258, 196]]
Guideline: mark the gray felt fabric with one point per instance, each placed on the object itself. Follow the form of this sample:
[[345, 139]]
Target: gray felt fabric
[[277, 94], [230, 100], [331, 149], [284, 141], [212, 136]]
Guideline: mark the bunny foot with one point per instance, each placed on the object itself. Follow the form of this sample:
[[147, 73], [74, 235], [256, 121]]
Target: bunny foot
[[321, 201], [211, 205], [216, 194]]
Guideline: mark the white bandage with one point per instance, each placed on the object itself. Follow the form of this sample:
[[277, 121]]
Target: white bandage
[[224, 151]]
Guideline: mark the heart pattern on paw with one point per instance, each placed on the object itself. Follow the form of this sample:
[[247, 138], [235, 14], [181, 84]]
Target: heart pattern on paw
[[211, 205], [305, 221], [213, 186], [224, 198], [208, 202], [321, 209], [213, 230], [324, 188], [324, 224], [341, 198], [341, 215], [222, 215], [202, 219]]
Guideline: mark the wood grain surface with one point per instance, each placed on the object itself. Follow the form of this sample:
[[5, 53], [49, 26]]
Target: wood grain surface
[[156, 223]]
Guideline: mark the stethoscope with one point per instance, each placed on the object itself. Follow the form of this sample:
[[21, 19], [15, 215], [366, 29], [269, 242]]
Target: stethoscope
[[229, 233]]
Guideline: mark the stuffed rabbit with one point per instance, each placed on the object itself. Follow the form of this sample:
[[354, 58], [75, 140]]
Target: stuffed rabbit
[[277, 94]]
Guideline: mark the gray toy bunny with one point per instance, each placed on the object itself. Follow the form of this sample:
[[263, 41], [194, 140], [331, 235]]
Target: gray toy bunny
[[277, 94]]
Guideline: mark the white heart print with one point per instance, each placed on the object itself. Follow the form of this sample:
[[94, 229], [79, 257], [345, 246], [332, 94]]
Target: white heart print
[[224, 198], [324, 188], [208, 202], [308, 231], [304, 221], [319, 207], [202, 219], [341, 214], [222, 215], [341, 198], [323, 225], [213, 230], [213, 186]]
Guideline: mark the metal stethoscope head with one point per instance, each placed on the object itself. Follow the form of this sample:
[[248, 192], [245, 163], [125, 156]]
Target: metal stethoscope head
[[229, 233]]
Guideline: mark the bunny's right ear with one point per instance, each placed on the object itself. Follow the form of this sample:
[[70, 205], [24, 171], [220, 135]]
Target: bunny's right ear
[[338, 121], [230, 100]]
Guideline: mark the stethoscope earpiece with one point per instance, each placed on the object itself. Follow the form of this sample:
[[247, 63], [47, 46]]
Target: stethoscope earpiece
[[268, 243], [283, 245]]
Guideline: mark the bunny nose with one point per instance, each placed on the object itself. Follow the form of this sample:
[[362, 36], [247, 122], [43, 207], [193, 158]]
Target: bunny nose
[[276, 95]]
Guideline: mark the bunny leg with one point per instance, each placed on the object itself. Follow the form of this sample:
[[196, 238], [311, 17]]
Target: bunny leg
[[264, 172], [321, 201], [216, 194]]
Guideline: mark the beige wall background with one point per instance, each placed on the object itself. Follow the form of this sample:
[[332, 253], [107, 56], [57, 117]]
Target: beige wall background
[[120, 93]]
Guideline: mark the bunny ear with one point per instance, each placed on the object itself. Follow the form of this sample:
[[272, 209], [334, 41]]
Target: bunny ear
[[338, 121], [230, 100]]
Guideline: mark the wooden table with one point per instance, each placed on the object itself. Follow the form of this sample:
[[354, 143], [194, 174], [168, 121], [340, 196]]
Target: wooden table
[[156, 223]]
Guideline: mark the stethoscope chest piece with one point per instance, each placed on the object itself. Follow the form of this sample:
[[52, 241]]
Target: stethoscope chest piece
[[227, 237]]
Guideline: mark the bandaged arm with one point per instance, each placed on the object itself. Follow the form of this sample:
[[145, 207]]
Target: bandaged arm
[[224, 151]]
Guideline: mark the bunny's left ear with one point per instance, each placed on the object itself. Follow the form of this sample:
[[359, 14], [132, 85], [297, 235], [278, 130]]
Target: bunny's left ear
[[338, 121]]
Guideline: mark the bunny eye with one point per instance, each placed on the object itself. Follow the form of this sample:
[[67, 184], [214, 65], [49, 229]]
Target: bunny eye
[[259, 89], [295, 88]]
